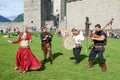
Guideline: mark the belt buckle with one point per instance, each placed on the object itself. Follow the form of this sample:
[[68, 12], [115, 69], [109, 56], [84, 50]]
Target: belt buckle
[[99, 46]]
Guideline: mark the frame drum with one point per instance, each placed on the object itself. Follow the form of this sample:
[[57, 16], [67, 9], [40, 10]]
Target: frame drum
[[68, 43]]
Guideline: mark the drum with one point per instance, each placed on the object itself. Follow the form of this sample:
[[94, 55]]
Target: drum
[[68, 43]]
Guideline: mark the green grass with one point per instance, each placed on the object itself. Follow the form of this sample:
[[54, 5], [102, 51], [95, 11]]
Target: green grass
[[63, 67]]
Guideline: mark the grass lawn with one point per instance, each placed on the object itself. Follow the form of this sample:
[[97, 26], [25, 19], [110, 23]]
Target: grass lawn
[[63, 67]]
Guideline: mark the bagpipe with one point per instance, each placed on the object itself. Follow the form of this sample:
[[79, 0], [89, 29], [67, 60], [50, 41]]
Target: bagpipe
[[92, 33], [109, 23]]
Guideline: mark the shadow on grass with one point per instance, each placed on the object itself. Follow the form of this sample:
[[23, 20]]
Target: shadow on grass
[[55, 55], [97, 61], [82, 57]]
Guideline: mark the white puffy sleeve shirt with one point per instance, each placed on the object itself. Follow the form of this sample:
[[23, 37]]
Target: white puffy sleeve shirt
[[79, 38]]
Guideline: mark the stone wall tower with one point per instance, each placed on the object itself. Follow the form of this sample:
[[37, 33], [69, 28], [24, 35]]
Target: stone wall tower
[[59, 8], [45, 11], [32, 13]]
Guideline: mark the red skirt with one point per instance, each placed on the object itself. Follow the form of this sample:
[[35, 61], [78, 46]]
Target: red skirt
[[25, 60]]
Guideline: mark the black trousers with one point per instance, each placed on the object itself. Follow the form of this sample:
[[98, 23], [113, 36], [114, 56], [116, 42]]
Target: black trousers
[[96, 51], [76, 53]]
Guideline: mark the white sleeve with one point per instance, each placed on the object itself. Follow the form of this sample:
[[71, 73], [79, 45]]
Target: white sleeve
[[79, 39], [81, 36]]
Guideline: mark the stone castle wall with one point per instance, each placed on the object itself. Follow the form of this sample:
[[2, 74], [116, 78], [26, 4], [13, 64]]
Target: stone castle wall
[[32, 13], [20, 25], [56, 8], [98, 11], [4, 25]]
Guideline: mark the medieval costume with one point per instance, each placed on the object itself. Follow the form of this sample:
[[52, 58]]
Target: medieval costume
[[100, 40], [46, 39], [25, 60], [78, 36]]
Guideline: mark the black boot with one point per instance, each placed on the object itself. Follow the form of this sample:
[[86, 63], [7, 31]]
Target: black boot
[[44, 59], [51, 61]]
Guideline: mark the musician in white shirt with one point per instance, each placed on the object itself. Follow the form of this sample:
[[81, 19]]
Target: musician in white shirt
[[78, 36]]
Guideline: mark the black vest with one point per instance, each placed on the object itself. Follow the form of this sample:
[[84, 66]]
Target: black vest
[[100, 43], [48, 40]]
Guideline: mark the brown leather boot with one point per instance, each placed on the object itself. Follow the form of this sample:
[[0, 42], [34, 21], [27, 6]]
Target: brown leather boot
[[104, 68], [90, 64]]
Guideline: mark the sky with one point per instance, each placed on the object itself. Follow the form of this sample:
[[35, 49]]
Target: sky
[[11, 8]]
